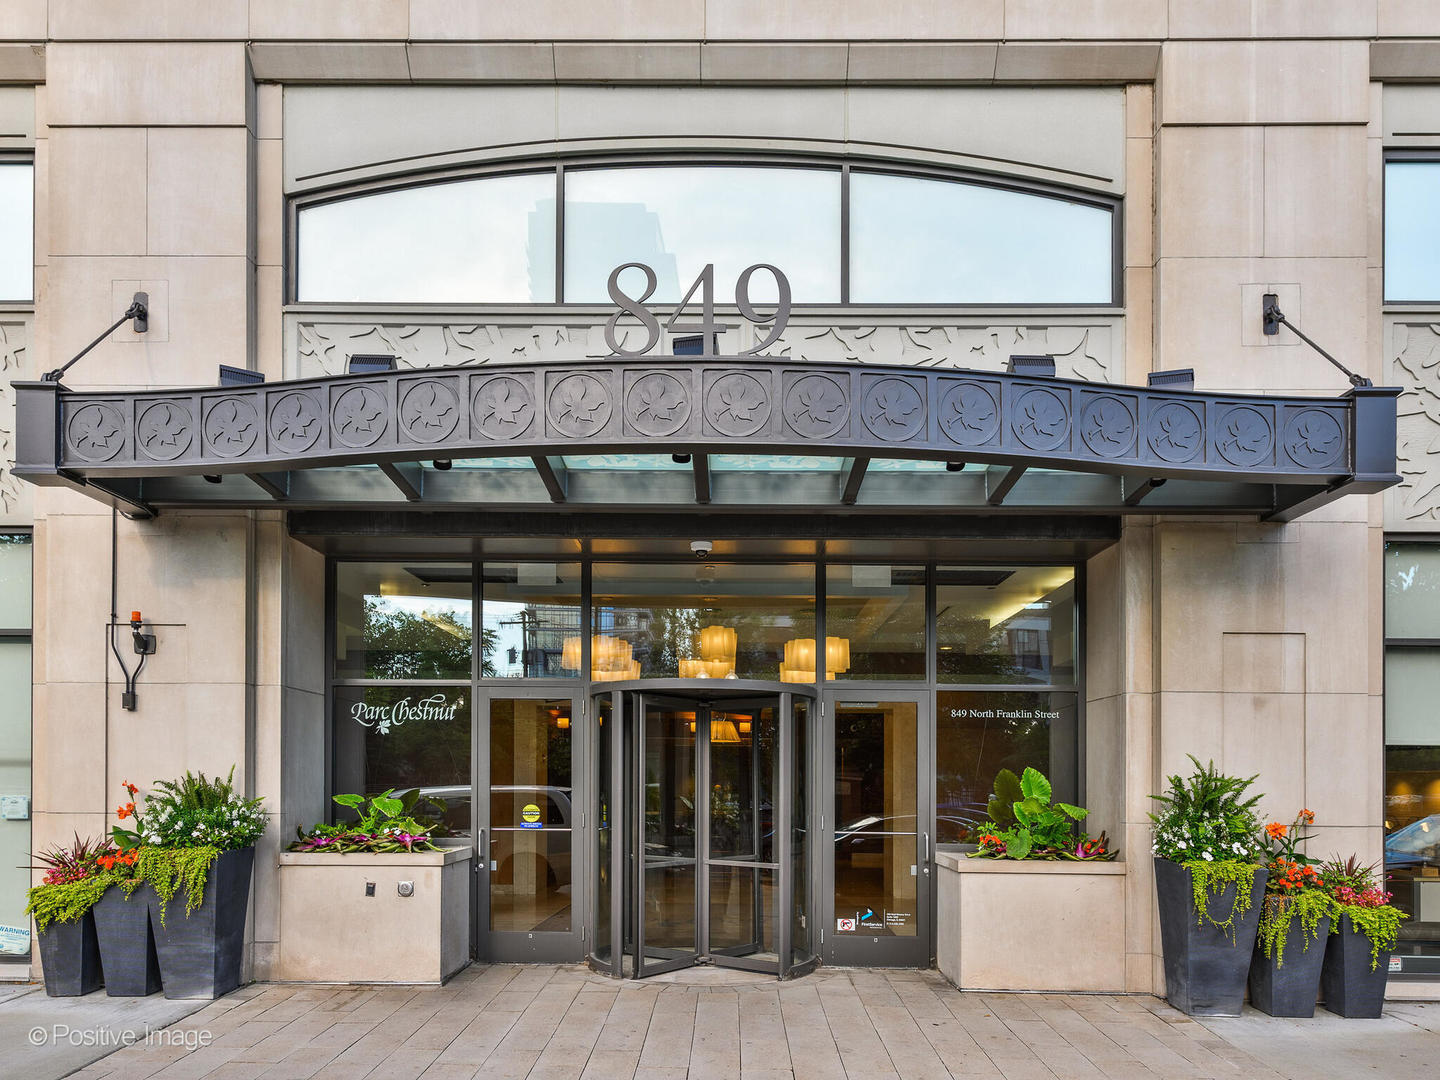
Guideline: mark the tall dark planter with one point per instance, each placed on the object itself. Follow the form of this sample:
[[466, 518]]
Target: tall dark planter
[[127, 943], [1349, 986], [200, 954], [70, 956], [1205, 967], [1291, 988]]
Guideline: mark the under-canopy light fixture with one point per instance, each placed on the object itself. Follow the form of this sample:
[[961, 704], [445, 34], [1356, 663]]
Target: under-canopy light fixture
[[370, 363], [442, 464]]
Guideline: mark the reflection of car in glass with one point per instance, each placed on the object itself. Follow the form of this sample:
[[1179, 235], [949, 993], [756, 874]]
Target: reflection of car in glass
[[869, 829], [507, 803], [1417, 844]]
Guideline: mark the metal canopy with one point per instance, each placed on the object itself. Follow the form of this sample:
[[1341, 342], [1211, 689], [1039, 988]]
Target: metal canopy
[[714, 435]]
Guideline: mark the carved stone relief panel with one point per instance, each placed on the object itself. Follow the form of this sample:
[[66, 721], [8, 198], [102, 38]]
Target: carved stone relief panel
[[14, 364], [1414, 355], [1082, 350]]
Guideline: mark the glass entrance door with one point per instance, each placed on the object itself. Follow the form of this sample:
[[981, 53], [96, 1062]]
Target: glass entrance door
[[701, 866], [530, 812], [877, 878]]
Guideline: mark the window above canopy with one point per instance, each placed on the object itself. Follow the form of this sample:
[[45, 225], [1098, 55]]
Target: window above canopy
[[843, 233]]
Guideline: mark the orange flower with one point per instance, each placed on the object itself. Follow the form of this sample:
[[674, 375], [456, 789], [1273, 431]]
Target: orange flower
[[128, 857], [122, 812], [1309, 816], [1275, 830], [131, 788], [107, 861]]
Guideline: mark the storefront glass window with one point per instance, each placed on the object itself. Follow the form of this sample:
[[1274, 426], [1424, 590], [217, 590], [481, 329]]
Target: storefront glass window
[[912, 239], [1412, 749], [922, 241], [405, 737], [677, 219], [1005, 624], [15, 746], [529, 611], [403, 620], [17, 231], [1412, 230], [877, 613], [464, 242], [980, 732], [701, 620]]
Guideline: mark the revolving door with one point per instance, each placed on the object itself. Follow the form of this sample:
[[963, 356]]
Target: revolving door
[[703, 850]]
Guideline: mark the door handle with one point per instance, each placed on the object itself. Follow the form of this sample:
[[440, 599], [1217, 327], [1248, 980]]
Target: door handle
[[482, 851], [927, 851]]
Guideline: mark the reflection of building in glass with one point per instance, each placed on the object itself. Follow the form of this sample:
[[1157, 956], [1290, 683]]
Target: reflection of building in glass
[[624, 232], [542, 630]]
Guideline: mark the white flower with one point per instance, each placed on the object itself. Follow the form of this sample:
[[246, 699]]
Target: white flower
[[1208, 857]]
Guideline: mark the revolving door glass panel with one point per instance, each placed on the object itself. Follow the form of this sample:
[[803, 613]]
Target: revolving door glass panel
[[701, 818]]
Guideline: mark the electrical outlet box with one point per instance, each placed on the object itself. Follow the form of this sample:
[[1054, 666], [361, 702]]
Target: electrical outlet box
[[14, 807], [369, 888]]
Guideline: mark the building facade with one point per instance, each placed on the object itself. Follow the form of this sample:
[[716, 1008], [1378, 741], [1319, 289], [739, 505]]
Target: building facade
[[893, 375]]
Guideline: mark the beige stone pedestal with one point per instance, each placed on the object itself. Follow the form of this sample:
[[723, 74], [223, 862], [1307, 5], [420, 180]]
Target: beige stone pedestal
[[332, 932], [1030, 925]]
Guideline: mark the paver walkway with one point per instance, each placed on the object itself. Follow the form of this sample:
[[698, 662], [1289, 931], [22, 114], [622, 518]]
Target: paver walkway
[[566, 1023]]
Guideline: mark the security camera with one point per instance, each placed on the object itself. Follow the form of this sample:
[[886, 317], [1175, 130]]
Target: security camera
[[701, 548]]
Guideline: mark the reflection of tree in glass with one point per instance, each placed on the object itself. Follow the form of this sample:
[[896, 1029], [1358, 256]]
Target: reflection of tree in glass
[[402, 645], [978, 651], [422, 753]]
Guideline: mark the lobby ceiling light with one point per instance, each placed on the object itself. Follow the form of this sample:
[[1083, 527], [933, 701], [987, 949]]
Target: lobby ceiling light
[[799, 663]]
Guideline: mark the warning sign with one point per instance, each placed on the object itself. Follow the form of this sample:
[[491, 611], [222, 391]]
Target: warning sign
[[530, 817]]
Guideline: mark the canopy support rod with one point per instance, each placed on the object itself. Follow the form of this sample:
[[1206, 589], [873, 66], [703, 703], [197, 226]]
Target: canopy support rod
[[279, 491], [409, 486], [552, 474], [853, 479], [1008, 481], [1132, 498], [700, 463]]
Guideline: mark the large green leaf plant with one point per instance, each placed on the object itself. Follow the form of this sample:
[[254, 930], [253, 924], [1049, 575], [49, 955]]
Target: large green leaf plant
[[1026, 824]]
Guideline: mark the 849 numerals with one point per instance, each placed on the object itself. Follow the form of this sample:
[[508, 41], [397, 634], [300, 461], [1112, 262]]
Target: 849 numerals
[[706, 326]]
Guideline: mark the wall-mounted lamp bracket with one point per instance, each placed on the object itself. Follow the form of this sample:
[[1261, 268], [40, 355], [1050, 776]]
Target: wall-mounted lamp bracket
[[1273, 318], [144, 647], [139, 310]]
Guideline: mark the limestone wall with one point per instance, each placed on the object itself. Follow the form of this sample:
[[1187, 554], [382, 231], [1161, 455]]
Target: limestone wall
[[1247, 141]]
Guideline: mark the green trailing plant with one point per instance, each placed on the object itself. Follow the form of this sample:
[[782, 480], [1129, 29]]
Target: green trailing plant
[[76, 876], [1278, 913], [386, 823], [169, 870], [1211, 879], [66, 902], [1359, 896], [1031, 826]]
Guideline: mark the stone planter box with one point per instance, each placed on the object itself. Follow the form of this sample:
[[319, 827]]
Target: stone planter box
[[331, 931], [1054, 926], [1292, 988]]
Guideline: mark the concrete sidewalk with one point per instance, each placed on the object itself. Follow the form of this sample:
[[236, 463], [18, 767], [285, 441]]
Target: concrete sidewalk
[[566, 1023]]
